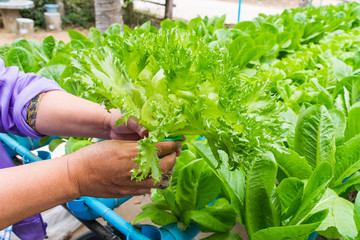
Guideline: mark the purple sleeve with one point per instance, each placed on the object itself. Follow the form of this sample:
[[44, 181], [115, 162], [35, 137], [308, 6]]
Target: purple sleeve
[[16, 90]]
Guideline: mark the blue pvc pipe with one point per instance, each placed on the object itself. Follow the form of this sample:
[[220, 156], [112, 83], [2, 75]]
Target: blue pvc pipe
[[83, 211], [23, 151], [122, 200], [114, 219], [239, 11]]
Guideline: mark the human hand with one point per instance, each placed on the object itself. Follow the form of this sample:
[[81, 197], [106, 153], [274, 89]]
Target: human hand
[[104, 169], [132, 130]]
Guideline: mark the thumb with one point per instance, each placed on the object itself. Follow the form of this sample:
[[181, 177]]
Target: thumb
[[133, 124], [167, 163]]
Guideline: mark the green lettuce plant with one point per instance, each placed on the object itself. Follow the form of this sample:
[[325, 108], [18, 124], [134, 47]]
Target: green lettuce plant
[[277, 99]]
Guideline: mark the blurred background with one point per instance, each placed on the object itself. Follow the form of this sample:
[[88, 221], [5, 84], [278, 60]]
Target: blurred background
[[81, 14]]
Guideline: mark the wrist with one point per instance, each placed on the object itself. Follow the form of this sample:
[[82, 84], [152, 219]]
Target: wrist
[[73, 172], [107, 128]]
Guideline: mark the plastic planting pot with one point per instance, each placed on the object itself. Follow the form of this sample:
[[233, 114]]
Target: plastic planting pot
[[189, 233], [168, 232], [44, 155], [51, 8], [154, 233]]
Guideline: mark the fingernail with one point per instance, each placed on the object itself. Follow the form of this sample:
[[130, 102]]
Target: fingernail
[[143, 131]]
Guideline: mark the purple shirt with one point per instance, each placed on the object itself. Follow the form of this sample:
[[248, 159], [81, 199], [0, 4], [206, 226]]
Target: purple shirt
[[16, 91]]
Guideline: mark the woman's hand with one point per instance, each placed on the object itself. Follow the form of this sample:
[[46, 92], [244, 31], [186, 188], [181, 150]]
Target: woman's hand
[[132, 130], [100, 170], [78, 117], [104, 169]]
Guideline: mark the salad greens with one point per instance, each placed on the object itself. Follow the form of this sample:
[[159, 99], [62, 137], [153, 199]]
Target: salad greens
[[180, 86], [193, 187], [277, 100]]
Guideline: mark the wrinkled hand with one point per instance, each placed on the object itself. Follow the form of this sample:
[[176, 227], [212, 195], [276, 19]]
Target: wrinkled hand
[[132, 130], [104, 169]]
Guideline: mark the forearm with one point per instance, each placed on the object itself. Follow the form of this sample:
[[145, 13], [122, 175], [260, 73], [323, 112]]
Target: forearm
[[30, 189], [62, 114]]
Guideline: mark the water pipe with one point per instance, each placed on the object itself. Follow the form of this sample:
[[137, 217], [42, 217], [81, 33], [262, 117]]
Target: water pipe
[[114, 219], [79, 208], [239, 10], [91, 208], [27, 155], [27, 142]]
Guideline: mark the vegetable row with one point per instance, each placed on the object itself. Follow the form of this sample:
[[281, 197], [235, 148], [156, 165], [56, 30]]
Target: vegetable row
[[276, 99]]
